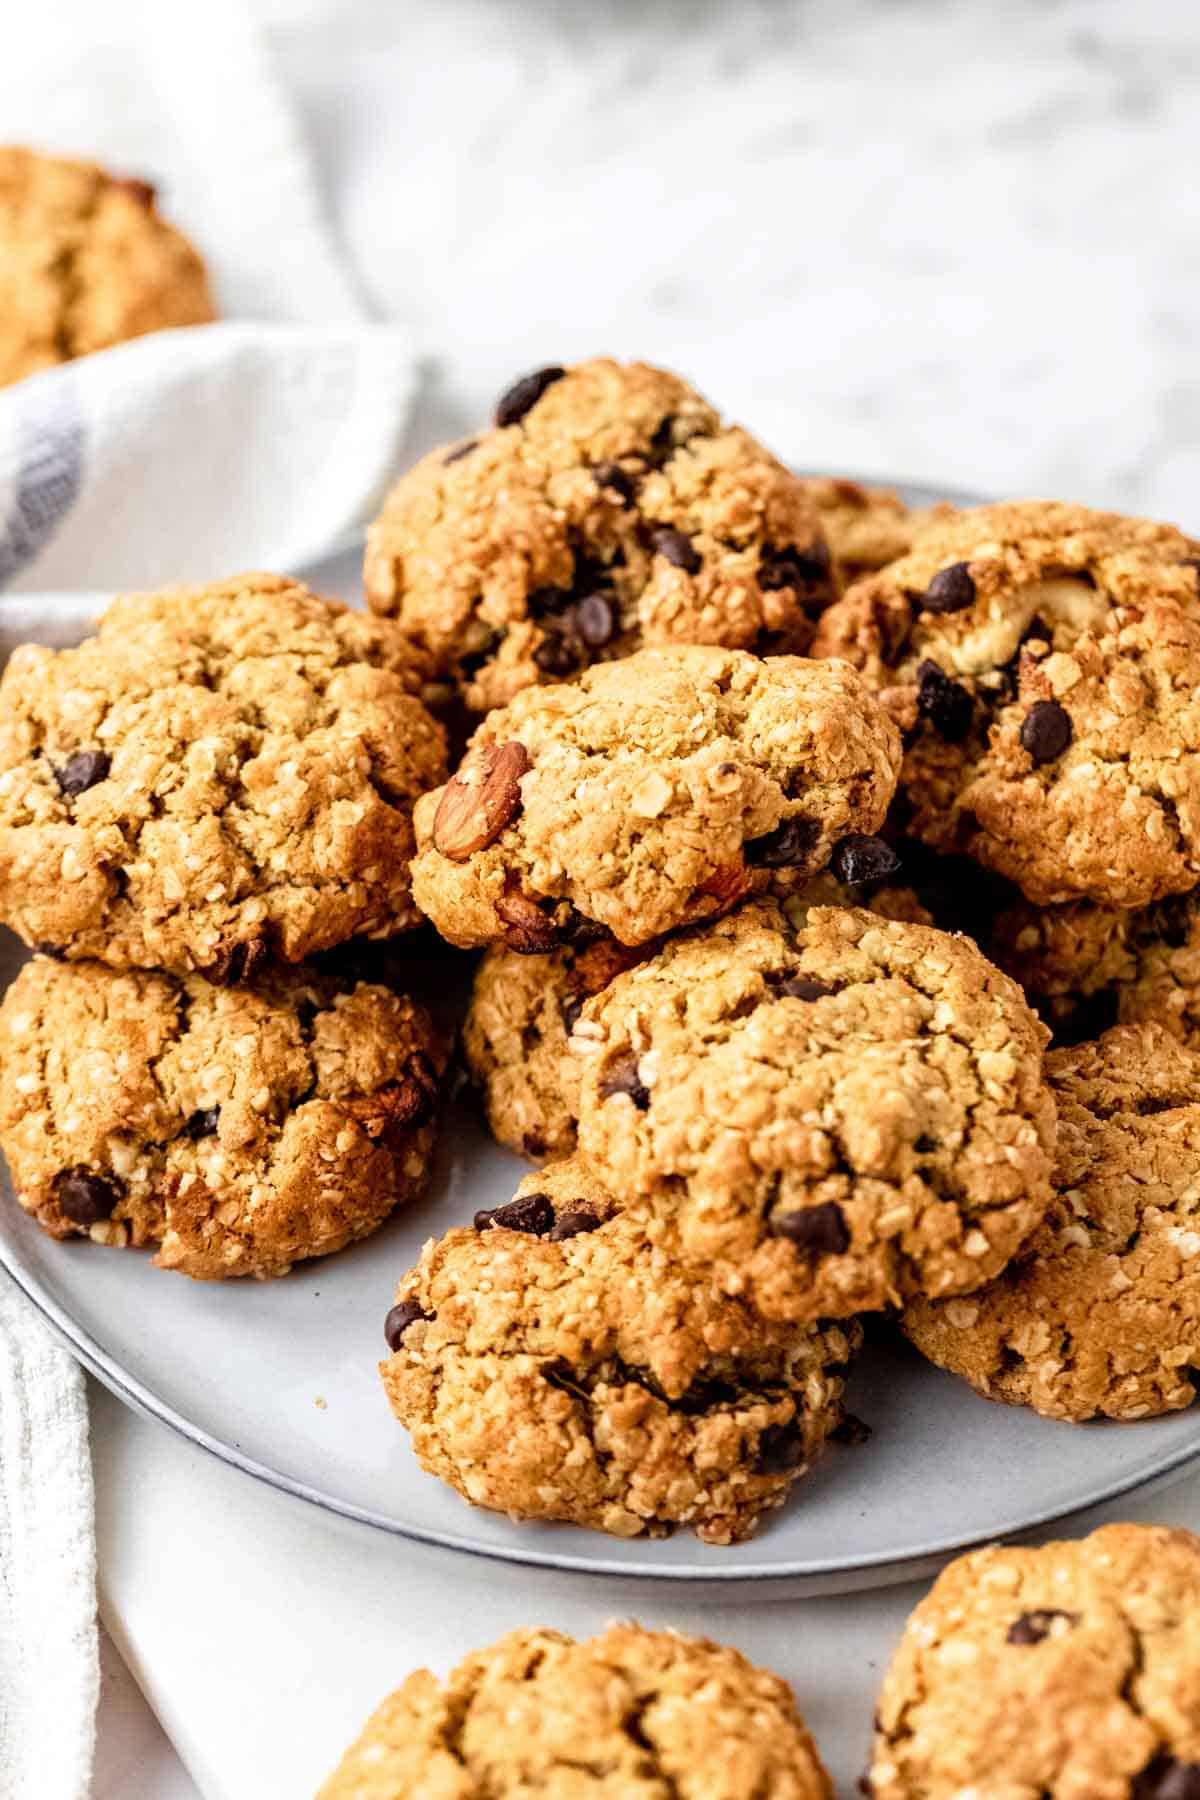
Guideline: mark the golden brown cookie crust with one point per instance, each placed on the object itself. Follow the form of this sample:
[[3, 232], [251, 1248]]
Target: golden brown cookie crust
[[1071, 1670], [236, 1129], [1045, 663], [650, 794], [1100, 1314], [614, 511], [219, 773], [629, 1715], [567, 1362], [86, 261], [839, 1110], [868, 527]]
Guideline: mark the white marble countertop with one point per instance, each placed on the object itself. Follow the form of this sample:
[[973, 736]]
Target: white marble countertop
[[957, 241]]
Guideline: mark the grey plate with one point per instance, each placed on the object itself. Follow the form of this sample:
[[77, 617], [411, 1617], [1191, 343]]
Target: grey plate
[[241, 1368]]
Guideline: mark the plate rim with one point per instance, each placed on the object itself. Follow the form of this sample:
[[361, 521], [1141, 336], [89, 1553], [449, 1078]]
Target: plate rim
[[832, 1574]]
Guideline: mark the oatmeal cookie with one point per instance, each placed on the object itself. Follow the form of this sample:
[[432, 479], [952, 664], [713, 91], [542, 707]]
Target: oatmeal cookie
[[1070, 1671], [565, 1361], [653, 793], [220, 773], [629, 1715], [1100, 1313], [86, 261], [237, 1129], [1044, 662], [607, 509], [868, 527], [839, 1110]]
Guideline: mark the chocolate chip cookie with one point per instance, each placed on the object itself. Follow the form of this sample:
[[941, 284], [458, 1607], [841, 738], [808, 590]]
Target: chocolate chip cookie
[[237, 1129], [838, 1110], [1100, 1313], [653, 793], [1072, 1670], [1044, 663], [564, 1361], [607, 509], [86, 261], [868, 527], [629, 1715], [220, 773]]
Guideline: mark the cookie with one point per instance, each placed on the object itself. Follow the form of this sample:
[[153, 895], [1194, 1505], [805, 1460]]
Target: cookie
[[653, 793], [868, 527], [515, 1039], [1071, 1671], [220, 773], [1044, 662], [86, 261], [564, 1361], [840, 1111], [1100, 1313], [236, 1129], [629, 1715], [608, 509]]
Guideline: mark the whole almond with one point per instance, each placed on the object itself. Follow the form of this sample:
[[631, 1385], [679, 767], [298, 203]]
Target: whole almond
[[479, 801]]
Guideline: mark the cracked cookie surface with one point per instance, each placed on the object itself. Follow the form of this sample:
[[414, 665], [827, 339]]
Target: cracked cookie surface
[[1100, 1313], [86, 261], [221, 773], [628, 1715], [236, 1129], [608, 509], [564, 1361], [1071, 1671], [1044, 662], [839, 1110], [650, 794]]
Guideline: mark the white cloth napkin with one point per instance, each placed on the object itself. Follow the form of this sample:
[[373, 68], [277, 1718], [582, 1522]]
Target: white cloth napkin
[[180, 457]]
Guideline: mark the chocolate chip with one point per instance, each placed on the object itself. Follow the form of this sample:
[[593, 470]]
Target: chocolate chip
[[792, 568], [532, 1213], [237, 963], [569, 1011], [803, 987], [950, 590], [574, 1223], [858, 859], [558, 654], [203, 1124], [1167, 1779], [1046, 730], [618, 480], [852, 1431], [787, 846], [82, 771], [1032, 1627], [662, 444], [86, 1197], [622, 1078], [923, 1144], [595, 621], [459, 451], [678, 548], [517, 400], [55, 952], [822, 1228], [402, 1315], [945, 703], [780, 1448]]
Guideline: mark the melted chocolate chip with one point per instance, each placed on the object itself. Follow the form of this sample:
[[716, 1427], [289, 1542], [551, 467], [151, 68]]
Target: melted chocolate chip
[[780, 1448], [235, 964], [1168, 1779], [945, 703], [822, 1229], [517, 400], [804, 987], [595, 621], [82, 771], [612, 476], [404, 1314], [662, 444], [859, 859], [574, 1223], [678, 548], [622, 1078], [1046, 730], [532, 1213], [459, 451], [950, 590], [86, 1197], [792, 568], [1032, 1627], [787, 846], [203, 1124]]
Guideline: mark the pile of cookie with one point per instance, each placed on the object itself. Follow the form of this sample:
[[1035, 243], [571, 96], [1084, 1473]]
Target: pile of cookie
[[790, 825]]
